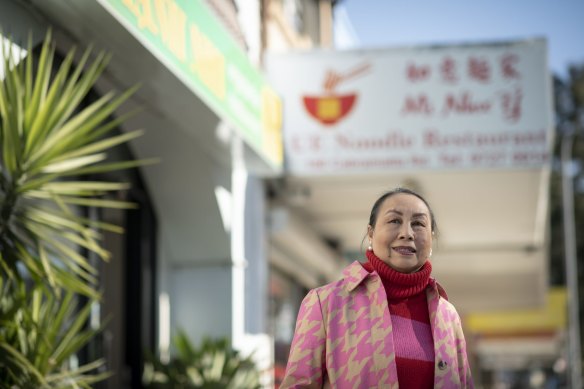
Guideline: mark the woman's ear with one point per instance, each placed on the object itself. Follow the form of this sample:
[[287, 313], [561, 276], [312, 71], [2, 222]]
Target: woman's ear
[[370, 232]]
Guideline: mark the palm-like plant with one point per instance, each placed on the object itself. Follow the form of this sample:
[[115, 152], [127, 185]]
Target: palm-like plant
[[47, 145], [38, 334], [212, 365]]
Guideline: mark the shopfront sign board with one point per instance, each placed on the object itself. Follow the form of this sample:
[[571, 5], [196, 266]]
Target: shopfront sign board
[[475, 106]]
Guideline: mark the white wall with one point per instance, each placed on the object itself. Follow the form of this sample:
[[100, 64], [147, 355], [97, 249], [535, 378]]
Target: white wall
[[201, 300]]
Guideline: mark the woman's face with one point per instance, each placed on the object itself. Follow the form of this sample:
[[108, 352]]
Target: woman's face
[[402, 235]]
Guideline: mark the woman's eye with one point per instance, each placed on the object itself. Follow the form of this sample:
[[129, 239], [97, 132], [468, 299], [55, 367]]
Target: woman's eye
[[395, 221], [418, 224]]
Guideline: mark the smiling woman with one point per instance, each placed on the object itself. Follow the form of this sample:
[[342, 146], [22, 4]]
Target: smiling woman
[[400, 230], [386, 323]]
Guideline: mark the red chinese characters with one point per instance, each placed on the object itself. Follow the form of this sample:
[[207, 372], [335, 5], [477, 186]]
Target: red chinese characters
[[511, 105], [508, 69], [417, 105], [474, 72], [416, 73], [479, 69], [448, 70]]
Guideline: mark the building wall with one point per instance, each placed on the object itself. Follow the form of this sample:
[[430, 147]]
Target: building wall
[[201, 300]]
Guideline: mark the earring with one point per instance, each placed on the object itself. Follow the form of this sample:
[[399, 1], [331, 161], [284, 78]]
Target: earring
[[370, 248], [430, 255]]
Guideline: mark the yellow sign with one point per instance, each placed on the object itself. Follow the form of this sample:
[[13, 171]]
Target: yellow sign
[[551, 317]]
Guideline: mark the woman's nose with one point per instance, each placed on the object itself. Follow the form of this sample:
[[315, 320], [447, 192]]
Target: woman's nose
[[406, 231]]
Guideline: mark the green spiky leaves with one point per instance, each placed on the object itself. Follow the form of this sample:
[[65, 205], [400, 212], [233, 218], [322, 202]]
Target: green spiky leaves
[[53, 145], [48, 144]]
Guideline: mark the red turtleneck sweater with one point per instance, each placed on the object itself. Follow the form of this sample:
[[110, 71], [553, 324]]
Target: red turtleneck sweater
[[410, 320]]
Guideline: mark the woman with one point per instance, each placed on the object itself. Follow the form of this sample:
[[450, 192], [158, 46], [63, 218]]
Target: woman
[[386, 323]]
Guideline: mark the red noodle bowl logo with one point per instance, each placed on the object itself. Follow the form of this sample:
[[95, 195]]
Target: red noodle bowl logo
[[331, 107]]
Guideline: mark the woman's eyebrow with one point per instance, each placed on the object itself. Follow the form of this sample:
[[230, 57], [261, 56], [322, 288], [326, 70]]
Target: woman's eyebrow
[[419, 214]]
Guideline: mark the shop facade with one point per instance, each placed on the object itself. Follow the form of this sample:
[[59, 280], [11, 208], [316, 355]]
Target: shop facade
[[194, 257]]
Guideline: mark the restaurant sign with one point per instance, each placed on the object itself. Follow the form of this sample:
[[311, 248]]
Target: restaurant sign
[[189, 39], [440, 107]]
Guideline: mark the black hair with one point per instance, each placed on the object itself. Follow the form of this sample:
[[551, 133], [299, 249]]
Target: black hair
[[386, 195]]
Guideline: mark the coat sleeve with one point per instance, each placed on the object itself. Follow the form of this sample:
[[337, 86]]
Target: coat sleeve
[[306, 363]]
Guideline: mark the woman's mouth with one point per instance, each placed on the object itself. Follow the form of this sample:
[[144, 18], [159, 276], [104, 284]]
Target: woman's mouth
[[405, 250]]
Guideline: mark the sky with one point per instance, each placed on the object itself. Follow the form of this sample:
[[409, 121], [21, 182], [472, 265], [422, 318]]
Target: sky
[[391, 23]]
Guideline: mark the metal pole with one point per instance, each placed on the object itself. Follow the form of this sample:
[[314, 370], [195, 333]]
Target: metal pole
[[575, 362]]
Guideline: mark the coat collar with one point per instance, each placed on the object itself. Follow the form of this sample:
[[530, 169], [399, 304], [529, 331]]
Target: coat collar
[[355, 274]]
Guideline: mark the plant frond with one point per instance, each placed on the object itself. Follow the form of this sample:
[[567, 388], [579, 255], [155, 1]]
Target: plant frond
[[14, 358], [101, 145], [74, 163], [49, 145]]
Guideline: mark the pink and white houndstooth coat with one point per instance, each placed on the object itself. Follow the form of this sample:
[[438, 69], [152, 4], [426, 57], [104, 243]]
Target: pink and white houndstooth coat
[[343, 337]]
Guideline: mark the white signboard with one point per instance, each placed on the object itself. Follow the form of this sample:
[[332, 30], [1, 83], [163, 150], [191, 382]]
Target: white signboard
[[441, 107]]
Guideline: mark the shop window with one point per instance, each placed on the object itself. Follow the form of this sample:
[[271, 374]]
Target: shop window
[[285, 297]]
